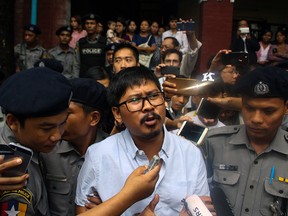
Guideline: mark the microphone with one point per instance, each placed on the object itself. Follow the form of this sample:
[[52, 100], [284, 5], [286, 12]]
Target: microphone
[[196, 207], [220, 202]]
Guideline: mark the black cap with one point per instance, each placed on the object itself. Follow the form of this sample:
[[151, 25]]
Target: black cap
[[33, 28], [89, 92], [264, 82], [91, 16], [36, 92], [63, 28], [50, 63]]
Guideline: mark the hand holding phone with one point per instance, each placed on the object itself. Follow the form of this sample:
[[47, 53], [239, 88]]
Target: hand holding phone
[[170, 70], [235, 58], [207, 109], [186, 26], [153, 163], [21, 152], [193, 132]]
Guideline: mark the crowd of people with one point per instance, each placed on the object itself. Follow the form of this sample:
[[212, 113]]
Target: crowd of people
[[95, 110]]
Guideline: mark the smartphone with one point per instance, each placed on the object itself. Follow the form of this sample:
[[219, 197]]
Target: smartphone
[[153, 163], [6, 150], [185, 86], [207, 109], [235, 58], [22, 152], [186, 26], [244, 30], [193, 132], [169, 113], [170, 70]]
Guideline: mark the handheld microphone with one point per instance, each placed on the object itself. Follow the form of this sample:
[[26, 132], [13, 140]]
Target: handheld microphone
[[196, 207], [220, 202]]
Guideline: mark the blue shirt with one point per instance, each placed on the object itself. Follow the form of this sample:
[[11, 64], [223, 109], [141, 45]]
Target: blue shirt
[[137, 40], [108, 164]]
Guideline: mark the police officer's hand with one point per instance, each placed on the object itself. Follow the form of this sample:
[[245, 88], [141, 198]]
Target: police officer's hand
[[11, 183], [93, 201]]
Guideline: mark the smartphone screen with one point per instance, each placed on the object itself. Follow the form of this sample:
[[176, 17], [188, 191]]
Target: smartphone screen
[[170, 70], [193, 132], [22, 152], [235, 58], [186, 26], [207, 109]]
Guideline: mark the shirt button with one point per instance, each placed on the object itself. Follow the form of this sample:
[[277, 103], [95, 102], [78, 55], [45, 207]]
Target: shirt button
[[255, 162], [251, 186], [281, 191], [246, 209]]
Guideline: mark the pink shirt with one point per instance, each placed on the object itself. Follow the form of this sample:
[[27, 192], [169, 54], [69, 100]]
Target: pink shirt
[[76, 36]]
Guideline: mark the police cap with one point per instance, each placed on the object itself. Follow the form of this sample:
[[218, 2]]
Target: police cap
[[36, 92], [50, 63], [33, 28], [91, 16], [63, 28], [264, 82], [89, 92]]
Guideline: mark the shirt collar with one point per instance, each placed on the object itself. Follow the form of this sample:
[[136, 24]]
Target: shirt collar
[[279, 143], [132, 149]]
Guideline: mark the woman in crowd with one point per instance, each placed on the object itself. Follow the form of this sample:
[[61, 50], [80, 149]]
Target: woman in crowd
[[78, 31], [131, 29], [278, 53], [265, 43]]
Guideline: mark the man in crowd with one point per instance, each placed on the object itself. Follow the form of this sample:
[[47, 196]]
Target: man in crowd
[[249, 162], [30, 51], [83, 128], [35, 104], [90, 50], [136, 100], [63, 52]]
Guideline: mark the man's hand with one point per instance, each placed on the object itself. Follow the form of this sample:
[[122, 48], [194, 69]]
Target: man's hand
[[169, 88], [11, 183], [208, 203], [139, 184], [93, 201], [149, 210], [216, 64]]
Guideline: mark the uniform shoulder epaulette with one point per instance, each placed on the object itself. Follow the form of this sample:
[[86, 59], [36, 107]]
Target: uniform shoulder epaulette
[[223, 130]]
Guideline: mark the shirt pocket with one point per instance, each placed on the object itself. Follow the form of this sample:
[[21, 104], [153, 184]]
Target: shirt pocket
[[59, 194], [275, 191], [228, 181]]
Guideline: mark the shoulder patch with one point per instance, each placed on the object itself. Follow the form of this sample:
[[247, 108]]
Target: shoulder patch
[[223, 130], [13, 207], [24, 193]]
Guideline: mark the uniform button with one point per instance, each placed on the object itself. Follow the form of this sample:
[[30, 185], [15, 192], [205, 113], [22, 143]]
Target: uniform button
[[224, 179], [255, 162], [251, 186], [281, 191], [246, 209]]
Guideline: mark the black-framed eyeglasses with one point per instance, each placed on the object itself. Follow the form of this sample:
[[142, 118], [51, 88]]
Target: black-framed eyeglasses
[[137, 103]]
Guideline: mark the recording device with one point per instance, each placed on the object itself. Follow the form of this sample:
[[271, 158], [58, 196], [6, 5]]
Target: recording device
[[170, 70], [207, 109], [274, 50], [235, 58], [18, 151], [5, 150], [244, 30], [220, 202], [186, 26], [153, 163], [169, 113], [195, 207], [185, 86], [193, 132]]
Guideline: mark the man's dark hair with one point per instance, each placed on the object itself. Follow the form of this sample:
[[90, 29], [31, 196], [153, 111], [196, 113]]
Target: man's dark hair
[[175, 42], [127, 46], [129, 77], [171, 51]]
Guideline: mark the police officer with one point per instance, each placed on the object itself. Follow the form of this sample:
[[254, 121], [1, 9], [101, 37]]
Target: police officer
[[64, 53], [35, 103], [30, 51], [249, 162], [90, 50], [83, 128]]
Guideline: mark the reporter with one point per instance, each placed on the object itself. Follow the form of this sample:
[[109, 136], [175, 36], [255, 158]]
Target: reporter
[[137, 187]]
